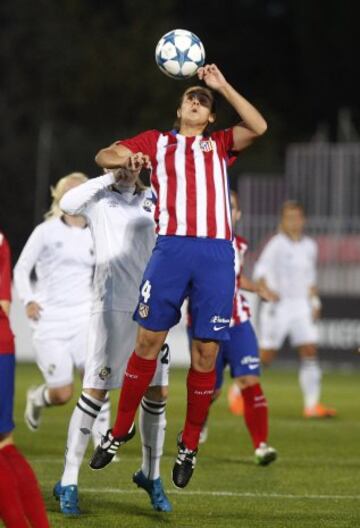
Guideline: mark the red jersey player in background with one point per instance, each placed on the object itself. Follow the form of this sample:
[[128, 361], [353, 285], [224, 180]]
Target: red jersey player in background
[[193, 256], [21, 504], [241, 353]]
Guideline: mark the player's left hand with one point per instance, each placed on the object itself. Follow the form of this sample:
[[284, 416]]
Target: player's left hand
[[212, 76]]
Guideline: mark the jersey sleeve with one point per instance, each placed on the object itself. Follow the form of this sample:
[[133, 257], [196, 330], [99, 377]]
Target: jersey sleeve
[[26, 263], [144, 142], [225, 139], [266, 263], [79, 199], [5, 270]]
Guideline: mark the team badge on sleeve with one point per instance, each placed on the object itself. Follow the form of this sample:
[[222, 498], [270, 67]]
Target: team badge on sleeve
[[143, 310]]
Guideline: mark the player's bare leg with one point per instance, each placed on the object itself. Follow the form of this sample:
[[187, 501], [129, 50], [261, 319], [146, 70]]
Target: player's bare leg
[[200, 388], [310, 382]]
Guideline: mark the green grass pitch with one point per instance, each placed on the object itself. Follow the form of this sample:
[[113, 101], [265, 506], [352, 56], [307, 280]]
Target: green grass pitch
[[315, 483]]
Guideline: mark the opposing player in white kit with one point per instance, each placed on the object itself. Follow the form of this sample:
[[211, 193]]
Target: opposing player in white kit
[[60, 251], [287, 266], [120, 213]]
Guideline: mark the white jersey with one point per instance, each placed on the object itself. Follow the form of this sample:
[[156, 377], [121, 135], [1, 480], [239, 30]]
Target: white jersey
[[63, 259], [288, 266], [123, 229]]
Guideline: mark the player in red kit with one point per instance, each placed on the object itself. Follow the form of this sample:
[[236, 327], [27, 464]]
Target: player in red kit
[[21, 504], [193, 256]]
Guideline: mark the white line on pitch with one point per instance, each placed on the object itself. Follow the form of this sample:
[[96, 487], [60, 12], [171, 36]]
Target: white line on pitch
[[227, 494]]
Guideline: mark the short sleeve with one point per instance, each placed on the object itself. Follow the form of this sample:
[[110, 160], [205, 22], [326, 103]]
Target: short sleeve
[[144, 142]]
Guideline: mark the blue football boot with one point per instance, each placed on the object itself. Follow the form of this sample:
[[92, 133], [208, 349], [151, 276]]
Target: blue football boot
[[68, 497], [155, 490]]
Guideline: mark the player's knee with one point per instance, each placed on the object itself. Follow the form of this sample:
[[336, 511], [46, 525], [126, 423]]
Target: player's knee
[[98, 394], [157, 393], [247, 381], [148, 343], [308, 351], [266, 357], [61, 395]]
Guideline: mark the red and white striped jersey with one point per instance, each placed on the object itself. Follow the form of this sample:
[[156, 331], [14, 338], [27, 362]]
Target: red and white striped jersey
[[241, 307], [189, 181]]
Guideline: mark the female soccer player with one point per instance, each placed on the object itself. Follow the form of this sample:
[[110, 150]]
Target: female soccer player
[[119, 211], [193, 255], [242, 355], [21, 503], [60, 251], [287, 266]]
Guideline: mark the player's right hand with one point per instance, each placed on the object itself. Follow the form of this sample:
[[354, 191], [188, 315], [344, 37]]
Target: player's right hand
[[33, 310], [138, 161]]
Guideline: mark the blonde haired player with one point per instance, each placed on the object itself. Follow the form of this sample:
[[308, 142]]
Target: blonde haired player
[[120, 213], [287, 266], [60, 251]]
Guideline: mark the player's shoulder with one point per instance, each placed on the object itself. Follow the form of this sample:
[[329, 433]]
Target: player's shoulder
[[310, 243]]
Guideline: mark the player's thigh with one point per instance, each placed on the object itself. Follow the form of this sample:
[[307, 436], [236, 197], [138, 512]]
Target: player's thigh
[[243, 351], [111, 340], [7, 388], [164, 285], [79, 342], [54, 359], [273, 327], [212, 290], [303, 331]]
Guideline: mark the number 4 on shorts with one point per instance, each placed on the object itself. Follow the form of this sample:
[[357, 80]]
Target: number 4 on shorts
[[146, 291]]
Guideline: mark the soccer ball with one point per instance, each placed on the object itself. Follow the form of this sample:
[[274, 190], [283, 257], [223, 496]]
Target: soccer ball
[[179, 54]]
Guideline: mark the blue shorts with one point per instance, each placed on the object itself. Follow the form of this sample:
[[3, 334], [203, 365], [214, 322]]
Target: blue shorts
[[241, 353], [199, 268], [7, 387]]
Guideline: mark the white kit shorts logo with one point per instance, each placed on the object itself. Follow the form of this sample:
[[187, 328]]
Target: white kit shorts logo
[[104, 373]]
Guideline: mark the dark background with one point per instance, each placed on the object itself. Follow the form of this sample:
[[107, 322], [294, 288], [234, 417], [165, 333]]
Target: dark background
[[80, 73]]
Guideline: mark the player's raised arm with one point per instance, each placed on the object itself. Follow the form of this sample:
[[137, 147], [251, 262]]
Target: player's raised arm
[[253, 124], [117, 156]]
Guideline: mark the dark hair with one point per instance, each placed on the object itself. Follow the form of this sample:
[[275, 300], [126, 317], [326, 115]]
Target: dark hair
[[209, 93], [291, 204]]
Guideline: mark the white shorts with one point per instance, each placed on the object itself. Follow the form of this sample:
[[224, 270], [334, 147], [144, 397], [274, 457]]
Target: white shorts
[[57, 357], [112, 337], [290, 318]]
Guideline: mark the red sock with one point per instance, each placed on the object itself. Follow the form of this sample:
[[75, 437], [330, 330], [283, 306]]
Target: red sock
[[200, 388], [256, 413], [28, 488], [138, 375], [11, 509]]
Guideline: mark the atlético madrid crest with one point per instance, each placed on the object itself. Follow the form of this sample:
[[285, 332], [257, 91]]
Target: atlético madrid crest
[[143, 310], [206, 145]]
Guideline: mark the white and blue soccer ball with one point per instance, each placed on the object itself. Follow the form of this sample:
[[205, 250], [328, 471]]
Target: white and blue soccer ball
[[179, 54]]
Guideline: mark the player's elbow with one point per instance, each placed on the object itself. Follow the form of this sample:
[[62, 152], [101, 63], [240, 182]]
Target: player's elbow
[[261, 128], [102, 158]]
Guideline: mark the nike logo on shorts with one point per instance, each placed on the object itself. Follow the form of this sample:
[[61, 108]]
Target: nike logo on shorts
[[217, 328]]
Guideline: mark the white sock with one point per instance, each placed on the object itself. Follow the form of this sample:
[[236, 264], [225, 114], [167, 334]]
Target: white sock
[[310, 381], [152, 422], [79, 431], [41, 396], [102, 422]]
